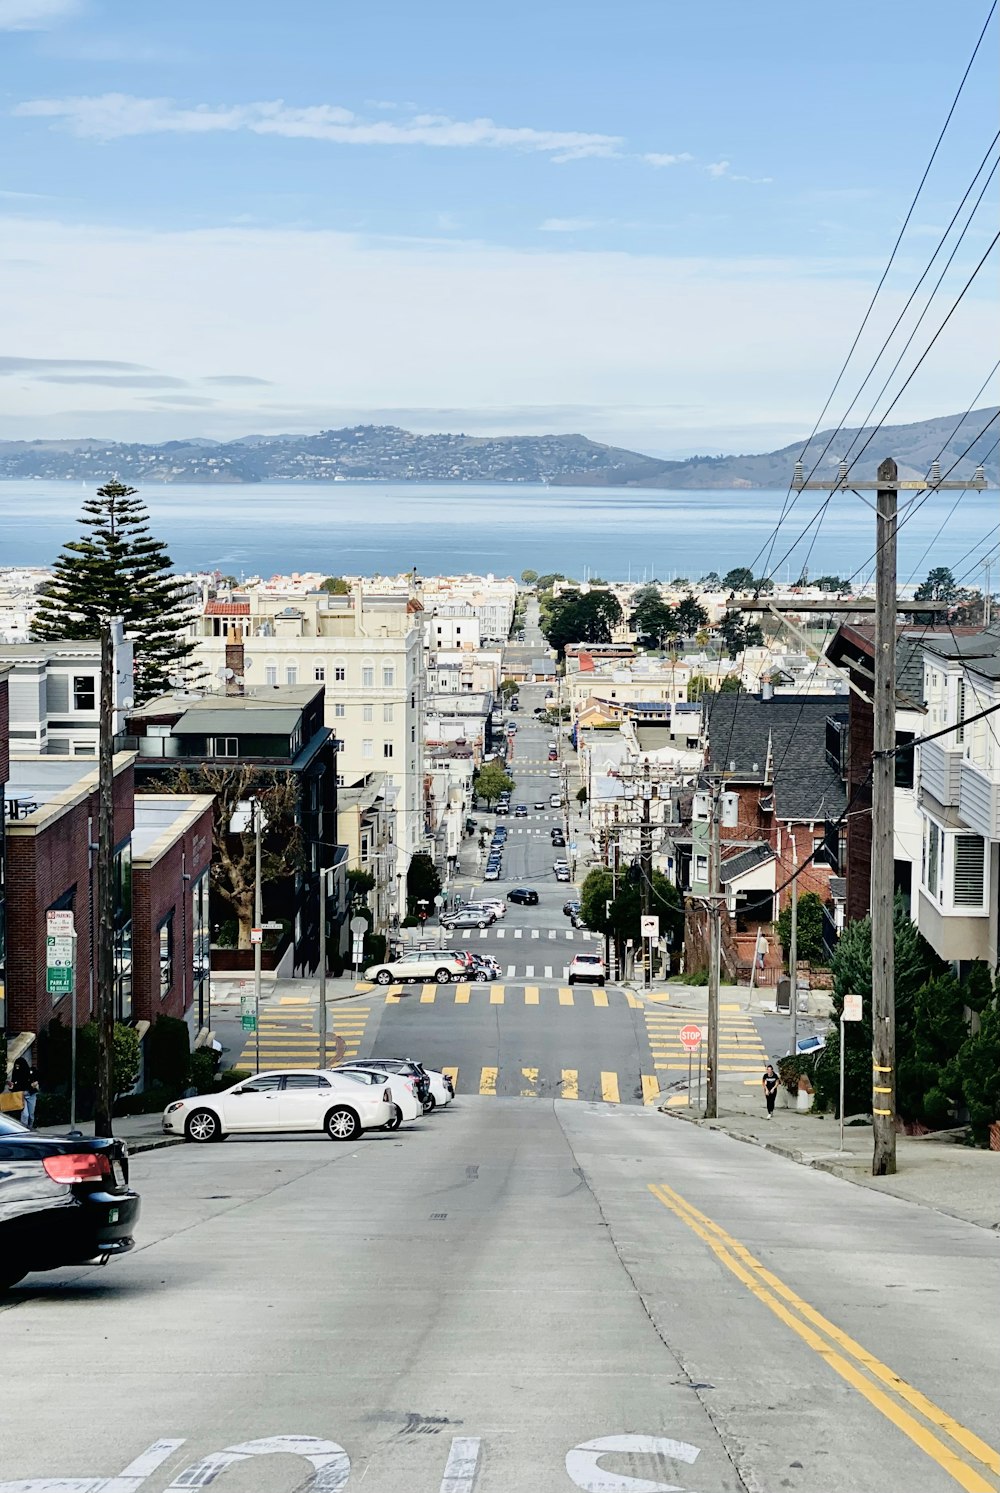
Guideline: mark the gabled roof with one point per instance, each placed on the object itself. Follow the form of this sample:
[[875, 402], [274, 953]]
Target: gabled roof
[[227, 609], [747, 860], [781, 741]]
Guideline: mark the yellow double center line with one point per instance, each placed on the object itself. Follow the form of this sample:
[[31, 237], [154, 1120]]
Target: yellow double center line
[[849, 1359]]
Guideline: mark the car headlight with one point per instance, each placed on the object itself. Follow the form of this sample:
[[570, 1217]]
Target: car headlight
[[177, 1104]]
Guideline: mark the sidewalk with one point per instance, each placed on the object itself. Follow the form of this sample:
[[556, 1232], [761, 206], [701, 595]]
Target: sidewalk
[[935, 1173], [142, 1132]]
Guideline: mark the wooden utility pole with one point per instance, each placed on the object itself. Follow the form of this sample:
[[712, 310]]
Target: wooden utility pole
[[714, 952], [793, 964], [646, 871], [882, 870], [105, 909]]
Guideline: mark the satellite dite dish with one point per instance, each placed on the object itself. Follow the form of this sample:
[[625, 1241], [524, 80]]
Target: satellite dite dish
[[247, 662]]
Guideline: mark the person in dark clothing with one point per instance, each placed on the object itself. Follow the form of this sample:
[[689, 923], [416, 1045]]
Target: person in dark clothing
[[24, 1078], [770, 1082]]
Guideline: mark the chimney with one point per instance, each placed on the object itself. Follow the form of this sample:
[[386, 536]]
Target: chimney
[[766, 690], [234, 659]]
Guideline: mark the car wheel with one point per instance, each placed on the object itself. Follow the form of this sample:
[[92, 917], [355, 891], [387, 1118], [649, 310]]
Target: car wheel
[[572, 979], [482, 924], [202, 1127], [443, 976], [397, 1119], [342, 1124], [384, 977], [482, 976], [429, 1103]]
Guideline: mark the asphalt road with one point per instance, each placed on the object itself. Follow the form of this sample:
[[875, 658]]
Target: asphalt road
[[496, 1300]]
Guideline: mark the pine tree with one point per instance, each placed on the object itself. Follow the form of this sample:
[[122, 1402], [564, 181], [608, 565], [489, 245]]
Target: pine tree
[[119, 570]]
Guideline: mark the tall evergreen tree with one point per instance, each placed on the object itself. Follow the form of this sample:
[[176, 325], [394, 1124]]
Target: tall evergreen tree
[[119, 570]]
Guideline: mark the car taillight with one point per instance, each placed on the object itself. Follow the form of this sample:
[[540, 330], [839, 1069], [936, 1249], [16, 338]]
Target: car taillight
[[80, 1166], [387, 1096]]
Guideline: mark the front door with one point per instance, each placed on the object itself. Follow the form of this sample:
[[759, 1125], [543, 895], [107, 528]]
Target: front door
[[254, 1105], [304, 1101]]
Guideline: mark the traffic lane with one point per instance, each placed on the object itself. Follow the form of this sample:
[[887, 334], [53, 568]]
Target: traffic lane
[[444, 1283], [532, 1047], [917, 1289]]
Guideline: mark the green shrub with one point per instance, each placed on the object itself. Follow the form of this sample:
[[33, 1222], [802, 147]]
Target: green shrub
[[150, 1102], [168, 1053], [228, 1077], [374, 948], [227, 935], [696, 977], [410, 921], [53, 1109], [204, 1066]]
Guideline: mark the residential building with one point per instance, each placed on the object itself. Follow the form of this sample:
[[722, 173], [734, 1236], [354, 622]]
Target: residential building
[[366, 650], [461, 718], [365, 827], [171, 920], [644, 682], [4, 771], [55, 691], [450, 771]]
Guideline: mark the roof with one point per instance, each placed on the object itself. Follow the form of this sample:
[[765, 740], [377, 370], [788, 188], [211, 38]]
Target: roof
[[854, 640], [542, 666], [251, 718], [54, 785], [745, 731], [227, 609], [746, 860], [161, 819], [271, 697]]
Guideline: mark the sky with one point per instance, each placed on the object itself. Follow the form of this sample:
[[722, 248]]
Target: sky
[[653, 222]]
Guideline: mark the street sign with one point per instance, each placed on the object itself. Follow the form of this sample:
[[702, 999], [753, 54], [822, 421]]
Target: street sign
[[272, 927], [359, 926], [690, 1036], [60, 956], [256, 935], [852, 1008], [248, 1018], [649, 927], [59, 924]]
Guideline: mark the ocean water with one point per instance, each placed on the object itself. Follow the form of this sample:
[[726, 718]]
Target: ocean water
[[388, 527]]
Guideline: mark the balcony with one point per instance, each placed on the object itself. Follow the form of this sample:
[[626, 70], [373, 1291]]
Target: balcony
[[940, 771], [979, 801]]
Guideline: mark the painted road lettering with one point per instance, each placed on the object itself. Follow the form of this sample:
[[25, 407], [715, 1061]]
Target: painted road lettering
[[583, 1463]]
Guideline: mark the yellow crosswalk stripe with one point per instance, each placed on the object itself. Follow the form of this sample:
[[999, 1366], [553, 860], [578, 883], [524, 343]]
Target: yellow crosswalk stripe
[[633, 1000], [530, 1075], [609, 1088], [661, 997], [294, 1000], [600, 996], [363, 986], [676, 1100], [650, 1088], [531, 995], [723, 1068], [462, 993], [393, 996], [488, 1081], [565, 995], [428, 995], [570, 1084], [453, 1075], [496, 995]]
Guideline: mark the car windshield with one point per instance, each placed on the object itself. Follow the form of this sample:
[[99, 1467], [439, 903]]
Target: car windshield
[[9, 1126]]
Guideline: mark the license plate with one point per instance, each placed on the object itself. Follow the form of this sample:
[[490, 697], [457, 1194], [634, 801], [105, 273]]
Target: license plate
[[119, 1173]]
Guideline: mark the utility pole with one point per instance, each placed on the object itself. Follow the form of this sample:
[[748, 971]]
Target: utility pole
[[322, 967], [646, 868], [883, 785], [105, 920], [714, 953], [793, 964], [258, 918]]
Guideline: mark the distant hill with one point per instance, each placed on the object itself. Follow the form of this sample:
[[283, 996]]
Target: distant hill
[[386, 453]]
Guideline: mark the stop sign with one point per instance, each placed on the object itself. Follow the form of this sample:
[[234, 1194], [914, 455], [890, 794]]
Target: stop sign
[[690, 1036]]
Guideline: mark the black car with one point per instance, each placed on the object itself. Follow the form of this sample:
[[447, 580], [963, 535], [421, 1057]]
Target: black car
[[62, 1201], [525, 895], [559, 840]]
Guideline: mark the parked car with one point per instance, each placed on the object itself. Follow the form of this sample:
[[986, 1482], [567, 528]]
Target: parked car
[[417, 964], [576, 921], [496, 905], [442, 1090], [560, 864], [553, 754], [407, 1066], [520, 811], [485, 967], [492, 872], [314, 1100], [525, 895], [553, 772], [62, 1201], [570, 907], [562, 873], [586, 967], [555, 802], [559, 841], [502, 809], [468, 919], [406, 1103], [540, 803]]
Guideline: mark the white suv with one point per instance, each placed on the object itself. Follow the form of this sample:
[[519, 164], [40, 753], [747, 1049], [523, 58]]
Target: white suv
[[587, 967], [418, 964]]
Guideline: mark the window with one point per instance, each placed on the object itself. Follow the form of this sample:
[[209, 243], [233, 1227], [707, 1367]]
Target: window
[[367, 676], [367, 747], [341, 780], [339, 673], [387, 715], [166, 956], [338, 743], [933, 857], [367, 713], [271, 674], [960, 712], [701, 868], [291, 674], [340, 710], [903, 761], [261, 1085], [387, 749], [319, 673], [223, 746], [311, 1081], [388, 676], [969, 878], [84, 692]]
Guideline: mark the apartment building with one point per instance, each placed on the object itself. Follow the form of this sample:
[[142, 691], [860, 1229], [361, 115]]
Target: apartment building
[[54, 694], [365, 648]]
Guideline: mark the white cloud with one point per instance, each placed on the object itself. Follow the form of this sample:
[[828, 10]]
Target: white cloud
[[340, 321], [660, 158], [718, 168], [35, 15], [567, 225], [111, 116]]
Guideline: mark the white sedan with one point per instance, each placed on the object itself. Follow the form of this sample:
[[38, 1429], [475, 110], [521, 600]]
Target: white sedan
[[405, 1104], [442, 1089], [323, 1100]]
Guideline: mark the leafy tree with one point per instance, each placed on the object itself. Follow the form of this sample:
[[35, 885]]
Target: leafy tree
[[614, 905], [547, 581], [529, 577], [509, 688], [763, 585], [740, 578], [652, 617], [940, 585], [809, 933], [573, 618], [975, 1072], [336, 585], [701, 685], [737, 634], [712, 581], [691, 616], [232, 869], [119, 570], [359, 884], [422, 881], [490, 781], [922, 1073], [831, 583]]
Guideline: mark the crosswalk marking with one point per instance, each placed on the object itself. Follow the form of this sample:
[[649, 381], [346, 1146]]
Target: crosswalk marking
[[428, 995], [633, 1000], [552, 933], [518, 932], [462, 994], [534, 932], [496, 995], [530, 1075], [600, 996], [531, 995], [393, 995], [548, 972], [501, 932], [723, 1068], [565, 995], [650, 1089], [453, 1075], [570, 1088], [488, 1081], [529, 970], [510, 971], [288, 1036], [609, 1088]]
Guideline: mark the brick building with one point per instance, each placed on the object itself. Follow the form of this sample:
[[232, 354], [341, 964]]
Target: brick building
[[171, 856], [4, 767]]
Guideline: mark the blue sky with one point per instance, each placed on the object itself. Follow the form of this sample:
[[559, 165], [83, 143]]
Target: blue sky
[[654, 222]]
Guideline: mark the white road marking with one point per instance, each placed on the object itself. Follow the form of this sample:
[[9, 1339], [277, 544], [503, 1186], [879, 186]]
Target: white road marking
[[534, 933], [518, 932], [462, 1466], [529, 970], [583, 1463], [510, 971], [548, 972], [552, 933], [501, 932], [331, 1462]]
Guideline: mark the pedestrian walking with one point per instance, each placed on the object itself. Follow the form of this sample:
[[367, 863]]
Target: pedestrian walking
[[770, 1082], [24, 1078]]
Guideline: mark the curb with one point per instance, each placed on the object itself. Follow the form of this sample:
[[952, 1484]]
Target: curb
[[153, 1143]]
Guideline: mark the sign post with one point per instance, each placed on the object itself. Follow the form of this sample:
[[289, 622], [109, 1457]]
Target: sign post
[[649, 927], [850, 1012], [690, 1037], [359, 927], [248, 1018], [60, 980]]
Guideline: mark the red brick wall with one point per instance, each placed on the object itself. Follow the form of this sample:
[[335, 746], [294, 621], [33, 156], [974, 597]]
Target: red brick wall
[[861, 726], [812, 878], [4, 728], [42, 868], [156, 892]]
